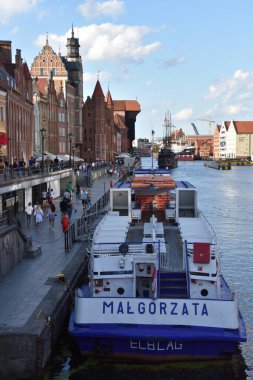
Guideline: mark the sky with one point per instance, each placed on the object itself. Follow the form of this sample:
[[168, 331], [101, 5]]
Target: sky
[[191, 60]]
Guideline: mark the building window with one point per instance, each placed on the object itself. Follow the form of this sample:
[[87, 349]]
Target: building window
[[1, 114], [41, 71], [53, 71]]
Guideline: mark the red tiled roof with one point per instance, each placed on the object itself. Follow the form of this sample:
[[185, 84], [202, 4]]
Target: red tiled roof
[[42, 85], [243, 126], [108, 98], [119, 120], [126, 105]]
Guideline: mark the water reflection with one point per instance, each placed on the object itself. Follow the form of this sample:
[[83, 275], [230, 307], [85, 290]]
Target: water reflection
[[68, 364]]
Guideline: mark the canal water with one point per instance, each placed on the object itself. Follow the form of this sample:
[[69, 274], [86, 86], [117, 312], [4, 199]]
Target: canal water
[[226, 199]]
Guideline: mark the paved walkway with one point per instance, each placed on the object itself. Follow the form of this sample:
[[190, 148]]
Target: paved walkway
[[22, 290]]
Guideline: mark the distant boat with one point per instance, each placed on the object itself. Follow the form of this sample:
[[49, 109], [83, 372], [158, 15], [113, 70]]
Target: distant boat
[[167, 159]]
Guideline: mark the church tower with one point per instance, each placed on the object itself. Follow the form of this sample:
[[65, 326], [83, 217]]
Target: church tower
[[73, 48], [73, 62]]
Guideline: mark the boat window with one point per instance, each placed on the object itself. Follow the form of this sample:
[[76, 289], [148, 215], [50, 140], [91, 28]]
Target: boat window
[[120, 291], [204, 292]]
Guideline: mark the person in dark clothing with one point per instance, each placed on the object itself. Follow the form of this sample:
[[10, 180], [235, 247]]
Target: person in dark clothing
[[64, 207]]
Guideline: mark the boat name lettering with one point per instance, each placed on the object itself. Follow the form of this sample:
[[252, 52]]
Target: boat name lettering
[[155, 346], [161, 308]]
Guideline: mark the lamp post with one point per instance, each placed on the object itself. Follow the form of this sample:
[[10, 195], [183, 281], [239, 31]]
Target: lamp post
[[70, 147], [42, 132]]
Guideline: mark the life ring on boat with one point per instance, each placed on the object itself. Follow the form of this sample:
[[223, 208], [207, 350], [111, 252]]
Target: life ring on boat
[[123, 248]]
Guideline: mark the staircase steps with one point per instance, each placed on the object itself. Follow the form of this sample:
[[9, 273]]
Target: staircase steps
[[173, 285]]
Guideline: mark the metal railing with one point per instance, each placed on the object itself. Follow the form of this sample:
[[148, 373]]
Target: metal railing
[[4, 218], [11, 173], [83, 226]]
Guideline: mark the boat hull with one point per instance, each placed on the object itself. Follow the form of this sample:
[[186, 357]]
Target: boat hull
[[185, 157], [149, 343]]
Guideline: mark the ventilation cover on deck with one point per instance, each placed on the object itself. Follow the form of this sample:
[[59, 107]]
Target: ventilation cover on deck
[[123, 248]]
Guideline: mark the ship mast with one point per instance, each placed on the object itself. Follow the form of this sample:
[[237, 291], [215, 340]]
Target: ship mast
[[152, 148]]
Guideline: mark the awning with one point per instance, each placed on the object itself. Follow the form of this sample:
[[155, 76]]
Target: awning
[[3, 138], [75, 158]]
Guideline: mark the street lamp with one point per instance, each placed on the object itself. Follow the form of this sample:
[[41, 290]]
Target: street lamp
[[42, 132], [70, 147]]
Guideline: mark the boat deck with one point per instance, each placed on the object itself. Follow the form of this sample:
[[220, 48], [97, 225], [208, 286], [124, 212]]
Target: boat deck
[[173, 244]]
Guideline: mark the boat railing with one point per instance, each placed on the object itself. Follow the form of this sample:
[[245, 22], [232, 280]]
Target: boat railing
[[119, 248], [208, 225], [187, 269]]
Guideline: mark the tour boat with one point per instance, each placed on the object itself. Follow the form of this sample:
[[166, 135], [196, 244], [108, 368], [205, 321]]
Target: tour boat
[[155, 291]]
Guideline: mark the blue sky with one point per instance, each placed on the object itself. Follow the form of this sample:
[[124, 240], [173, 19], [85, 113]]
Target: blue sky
[[192, 59]]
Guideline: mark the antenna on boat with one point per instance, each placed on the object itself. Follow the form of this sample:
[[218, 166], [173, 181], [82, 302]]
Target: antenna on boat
[[152, 148]]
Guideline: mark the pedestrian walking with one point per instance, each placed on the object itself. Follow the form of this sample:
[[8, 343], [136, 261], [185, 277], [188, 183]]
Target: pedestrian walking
[[78, 192], [70, 208], [51, 196], [64, 206], [38, 215], [89, 198], [44, 198], [69, 188], [29, 212], [66, 194], [65, 223], [51, 216], [84, 199]]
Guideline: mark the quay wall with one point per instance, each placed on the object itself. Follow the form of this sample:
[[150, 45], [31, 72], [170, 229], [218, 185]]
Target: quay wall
[[11, 249], [24, 351]]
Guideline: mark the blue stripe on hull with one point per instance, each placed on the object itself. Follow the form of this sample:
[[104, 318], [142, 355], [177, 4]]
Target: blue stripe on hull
[[163, 342]]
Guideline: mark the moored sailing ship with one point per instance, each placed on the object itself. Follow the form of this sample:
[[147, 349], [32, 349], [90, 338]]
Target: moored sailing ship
[[167, 159]]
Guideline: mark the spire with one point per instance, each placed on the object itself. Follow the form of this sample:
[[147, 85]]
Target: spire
[[108, 99], [47, 39], [98, 92], [72, 30]]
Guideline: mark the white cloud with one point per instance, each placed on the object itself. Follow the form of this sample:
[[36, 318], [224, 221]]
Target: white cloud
[[9, 8], [183, 115], [173, 61], [233, 95], [109, 42], [92, 9], [14, 30]]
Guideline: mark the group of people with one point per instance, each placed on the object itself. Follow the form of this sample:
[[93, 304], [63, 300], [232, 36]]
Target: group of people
[[47, 208]]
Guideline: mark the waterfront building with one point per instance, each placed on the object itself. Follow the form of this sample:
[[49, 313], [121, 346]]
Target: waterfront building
[[16, 112], [234, 139], [106, 125]]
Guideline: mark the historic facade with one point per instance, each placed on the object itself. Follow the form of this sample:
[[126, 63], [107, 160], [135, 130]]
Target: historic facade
[[106, 125], [67, 75], [16, 109]]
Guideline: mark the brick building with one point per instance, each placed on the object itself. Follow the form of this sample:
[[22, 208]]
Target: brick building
[[108, 125], [67, 75], [16, 112]]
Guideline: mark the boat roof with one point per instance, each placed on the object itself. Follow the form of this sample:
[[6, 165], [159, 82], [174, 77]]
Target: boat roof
[[152, 171], [179, 185]]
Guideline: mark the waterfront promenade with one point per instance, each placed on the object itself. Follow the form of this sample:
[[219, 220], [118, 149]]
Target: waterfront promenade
[[23, 289]]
